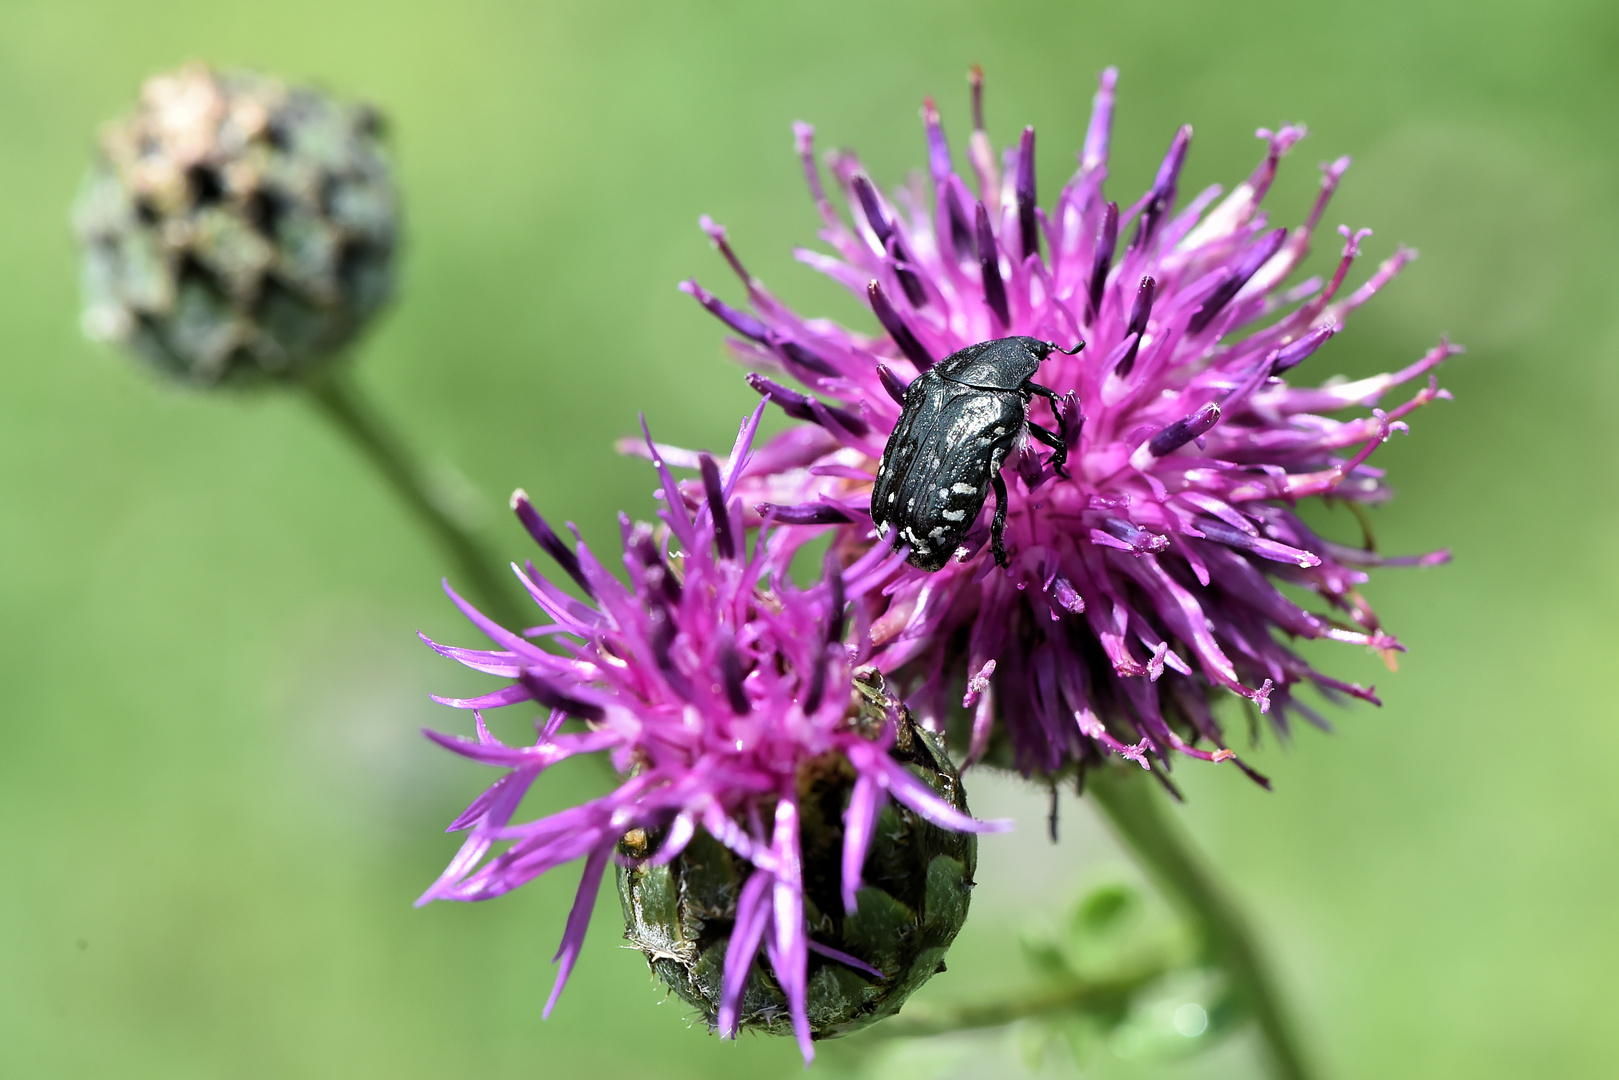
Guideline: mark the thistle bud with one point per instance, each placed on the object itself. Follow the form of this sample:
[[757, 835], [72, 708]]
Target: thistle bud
[[236, 229], [863, 963]]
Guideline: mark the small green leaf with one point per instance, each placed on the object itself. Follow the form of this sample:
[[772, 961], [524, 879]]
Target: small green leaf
[[1043, 954], [1105, 911]]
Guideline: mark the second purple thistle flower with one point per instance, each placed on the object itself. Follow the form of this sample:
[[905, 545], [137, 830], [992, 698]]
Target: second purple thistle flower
[[1144, 578], [794, 855]]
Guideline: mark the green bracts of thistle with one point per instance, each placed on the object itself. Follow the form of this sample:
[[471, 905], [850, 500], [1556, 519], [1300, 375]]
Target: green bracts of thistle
[[918, 879]]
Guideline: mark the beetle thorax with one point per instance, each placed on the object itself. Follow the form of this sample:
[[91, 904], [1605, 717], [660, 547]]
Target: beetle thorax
[[1003, 364]]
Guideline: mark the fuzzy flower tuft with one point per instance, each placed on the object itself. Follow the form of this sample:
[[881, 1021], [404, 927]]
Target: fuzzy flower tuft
[[714, 685], [1146, 575]]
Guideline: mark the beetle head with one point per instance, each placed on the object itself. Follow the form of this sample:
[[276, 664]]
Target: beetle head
[[1048, 347]]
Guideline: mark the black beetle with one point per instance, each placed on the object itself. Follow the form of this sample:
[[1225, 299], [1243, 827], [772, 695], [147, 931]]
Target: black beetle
[[958, 422]]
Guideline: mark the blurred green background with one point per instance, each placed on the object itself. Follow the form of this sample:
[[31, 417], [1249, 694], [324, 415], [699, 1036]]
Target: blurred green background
[[216, 807]]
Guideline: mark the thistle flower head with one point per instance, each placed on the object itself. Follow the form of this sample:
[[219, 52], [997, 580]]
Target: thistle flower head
[[725, 697], [1149, 572], [235, 228]]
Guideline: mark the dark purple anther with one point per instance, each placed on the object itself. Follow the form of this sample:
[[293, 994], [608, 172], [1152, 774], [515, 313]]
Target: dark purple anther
[[641, 545], [1257, 256], [1251, 773], [731, 677], [797, 354], [550, 541], [889, 240], [1292, 355], [724, 543], [1030, 468], [802, 406], [908, 281], [661, 635], [833, 573], [1072, 421], [873, 210], [853, 423], [989, 266], [1140, 312], [939, 164], [1107, 238], [817, 686], [742, 323], [1162, 197], [961, 233], [752, 328], [891, 383], [1027, 225], [1181, 432], [552, 698], [896, 327], [804, 514], [792, 403]]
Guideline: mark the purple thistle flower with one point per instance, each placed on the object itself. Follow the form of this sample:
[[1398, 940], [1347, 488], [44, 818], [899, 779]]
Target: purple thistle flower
[[714, 685], [1145, 576]]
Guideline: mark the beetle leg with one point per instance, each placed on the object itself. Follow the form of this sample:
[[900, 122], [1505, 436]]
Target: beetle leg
[[1044, 391], [1058, 442], [1059, 447], [997, 525]]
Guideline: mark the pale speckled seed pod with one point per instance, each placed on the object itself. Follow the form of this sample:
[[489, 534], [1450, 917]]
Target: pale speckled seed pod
[[235, 228]]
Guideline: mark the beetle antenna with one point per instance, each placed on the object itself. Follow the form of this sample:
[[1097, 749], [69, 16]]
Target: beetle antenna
[[1066, 352]]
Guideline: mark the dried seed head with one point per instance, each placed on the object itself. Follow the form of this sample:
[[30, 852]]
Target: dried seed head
[[234, 228]]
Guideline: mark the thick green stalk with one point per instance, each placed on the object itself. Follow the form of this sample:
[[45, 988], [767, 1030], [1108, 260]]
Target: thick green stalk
[[1135, 809], [341, 402]]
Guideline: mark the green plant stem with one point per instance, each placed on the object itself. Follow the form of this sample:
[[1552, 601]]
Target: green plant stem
[[1135, 809], [1090, 996], [336, 397]]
